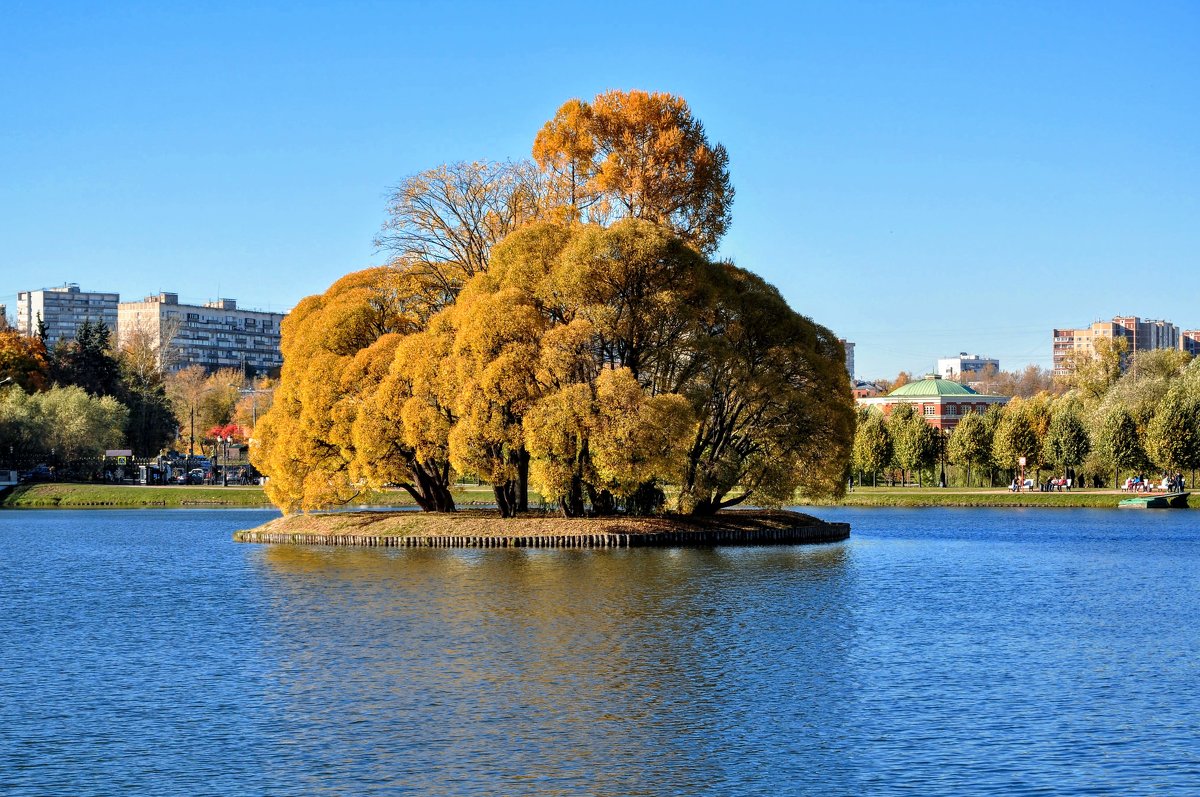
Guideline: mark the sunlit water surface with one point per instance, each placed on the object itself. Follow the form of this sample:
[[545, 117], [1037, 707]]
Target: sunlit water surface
[[937, 652]]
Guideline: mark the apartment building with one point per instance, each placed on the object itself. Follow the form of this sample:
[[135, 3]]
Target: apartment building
[[213, 335], [1189, 341], [968, 364], [63, 309], [1139, 335], [849, 346]]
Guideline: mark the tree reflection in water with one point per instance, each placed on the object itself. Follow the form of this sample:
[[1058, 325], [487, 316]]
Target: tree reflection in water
[[611, 672]]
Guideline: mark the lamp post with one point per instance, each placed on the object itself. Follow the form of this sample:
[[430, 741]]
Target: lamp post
[[253, 393], [225, 441]]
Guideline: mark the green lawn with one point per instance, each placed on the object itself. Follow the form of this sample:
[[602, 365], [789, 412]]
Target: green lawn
[[82, 496], [961, 496], [115, 496]]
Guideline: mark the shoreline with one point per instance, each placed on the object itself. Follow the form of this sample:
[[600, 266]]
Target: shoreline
[[480, 529], [60, 495], [994, 498]]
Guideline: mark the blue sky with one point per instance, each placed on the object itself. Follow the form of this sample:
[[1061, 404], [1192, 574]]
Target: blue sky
[[923, 178]]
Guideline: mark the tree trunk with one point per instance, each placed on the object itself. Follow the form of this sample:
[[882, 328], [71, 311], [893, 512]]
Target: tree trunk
[[572, 502], [431, 492], [523, 481], [506, 498]]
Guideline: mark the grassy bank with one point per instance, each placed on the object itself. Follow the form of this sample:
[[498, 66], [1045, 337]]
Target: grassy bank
[[84, 496], [102, 496], [925, 497], [483, 529], [115, 496]]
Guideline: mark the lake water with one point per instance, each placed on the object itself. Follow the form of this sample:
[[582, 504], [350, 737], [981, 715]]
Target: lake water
[[938, 651]]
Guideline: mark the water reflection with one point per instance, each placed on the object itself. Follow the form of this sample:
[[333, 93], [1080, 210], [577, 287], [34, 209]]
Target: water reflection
[[936, 652], [562, 668]]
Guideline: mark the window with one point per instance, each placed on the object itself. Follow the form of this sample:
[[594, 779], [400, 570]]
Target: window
[[249, 323], [193, 316], [929, 410]]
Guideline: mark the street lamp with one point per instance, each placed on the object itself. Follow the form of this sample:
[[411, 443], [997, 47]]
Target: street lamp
[[253, 393], [224, 440]]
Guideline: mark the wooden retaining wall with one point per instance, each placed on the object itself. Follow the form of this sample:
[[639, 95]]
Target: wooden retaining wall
[[828, 532]]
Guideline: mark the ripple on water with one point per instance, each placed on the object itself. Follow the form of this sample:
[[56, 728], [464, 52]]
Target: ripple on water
[[936, 652]]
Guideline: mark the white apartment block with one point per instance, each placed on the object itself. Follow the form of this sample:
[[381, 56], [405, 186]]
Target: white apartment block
[[969, 364], [63, 309], [213, 335]]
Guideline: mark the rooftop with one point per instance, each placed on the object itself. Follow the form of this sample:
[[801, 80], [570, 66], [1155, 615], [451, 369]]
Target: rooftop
[[932, 385]]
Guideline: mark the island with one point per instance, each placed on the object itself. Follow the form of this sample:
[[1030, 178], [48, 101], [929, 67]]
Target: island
[[481, 529]]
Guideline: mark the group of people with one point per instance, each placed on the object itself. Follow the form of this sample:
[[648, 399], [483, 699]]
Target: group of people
[[1140, 484], [1055, 484]]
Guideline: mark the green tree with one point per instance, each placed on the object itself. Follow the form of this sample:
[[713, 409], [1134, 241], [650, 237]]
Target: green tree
[[88, 361], [970, 443], [1173, 436], [67, 420], [1067, 443], [1016, 436], [872, 444], [1119, 443], [914, 442]]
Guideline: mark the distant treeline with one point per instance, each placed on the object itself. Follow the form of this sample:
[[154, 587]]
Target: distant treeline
[[1113, 412]]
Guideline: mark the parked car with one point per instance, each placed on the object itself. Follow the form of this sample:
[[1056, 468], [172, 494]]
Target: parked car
[[39, 473], [193, 476]]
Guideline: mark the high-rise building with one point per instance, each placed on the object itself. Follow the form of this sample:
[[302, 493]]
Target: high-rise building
[[63, 309], [1139, 335], [849, 356], [964, 364], [213, 335]]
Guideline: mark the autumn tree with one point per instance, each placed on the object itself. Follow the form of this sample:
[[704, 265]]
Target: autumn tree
[[443, 222], [1025, 383], [151, 423], [772, 398], [23, 360], [642, 155], [325, 439], [562, 329], [1093, 373]]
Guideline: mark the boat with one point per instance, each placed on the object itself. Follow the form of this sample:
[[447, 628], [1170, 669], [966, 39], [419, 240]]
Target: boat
[[1160, 501]]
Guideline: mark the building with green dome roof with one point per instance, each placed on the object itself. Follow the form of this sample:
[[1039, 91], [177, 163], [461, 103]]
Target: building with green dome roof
[[941, 402]]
